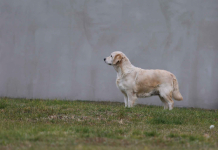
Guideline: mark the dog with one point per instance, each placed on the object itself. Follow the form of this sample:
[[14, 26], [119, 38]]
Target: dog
[[136, 83]]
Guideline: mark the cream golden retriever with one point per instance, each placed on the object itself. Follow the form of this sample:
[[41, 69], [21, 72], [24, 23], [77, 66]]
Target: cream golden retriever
[[135, 82]]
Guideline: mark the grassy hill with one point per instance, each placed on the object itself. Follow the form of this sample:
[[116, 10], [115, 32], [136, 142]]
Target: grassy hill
[[57, 124]]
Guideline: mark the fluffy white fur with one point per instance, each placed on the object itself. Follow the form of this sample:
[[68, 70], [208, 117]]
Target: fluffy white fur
[[135, 82]]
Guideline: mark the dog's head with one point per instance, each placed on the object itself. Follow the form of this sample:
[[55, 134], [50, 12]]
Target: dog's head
[[115, 58]]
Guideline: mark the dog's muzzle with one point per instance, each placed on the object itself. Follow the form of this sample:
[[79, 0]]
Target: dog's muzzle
[[105, 61]]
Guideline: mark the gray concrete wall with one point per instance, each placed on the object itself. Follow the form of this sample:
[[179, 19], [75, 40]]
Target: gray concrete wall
[[55, 48]]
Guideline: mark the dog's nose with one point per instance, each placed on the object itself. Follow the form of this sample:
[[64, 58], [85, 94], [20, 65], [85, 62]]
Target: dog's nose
[[104, 59]]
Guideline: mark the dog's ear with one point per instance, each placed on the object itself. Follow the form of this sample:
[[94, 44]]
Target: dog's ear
[[117, 59]]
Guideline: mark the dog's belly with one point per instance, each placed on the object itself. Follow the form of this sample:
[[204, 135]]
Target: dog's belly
[[143, 95], [147, 94]]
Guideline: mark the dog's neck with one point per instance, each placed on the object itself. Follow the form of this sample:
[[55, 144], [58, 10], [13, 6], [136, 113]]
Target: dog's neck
[[124, 67]]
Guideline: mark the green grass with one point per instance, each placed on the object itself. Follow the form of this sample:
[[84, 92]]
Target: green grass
[[57, 124]]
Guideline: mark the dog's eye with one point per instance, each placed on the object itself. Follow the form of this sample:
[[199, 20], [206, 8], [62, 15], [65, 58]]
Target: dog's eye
[[111, 55]]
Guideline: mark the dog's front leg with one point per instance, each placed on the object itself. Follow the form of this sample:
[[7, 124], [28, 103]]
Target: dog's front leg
[[131, 98], [125, 100]]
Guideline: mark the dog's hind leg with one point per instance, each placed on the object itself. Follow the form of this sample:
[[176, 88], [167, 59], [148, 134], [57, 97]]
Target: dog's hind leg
[[166, 93], [169, 100], [164, 102]]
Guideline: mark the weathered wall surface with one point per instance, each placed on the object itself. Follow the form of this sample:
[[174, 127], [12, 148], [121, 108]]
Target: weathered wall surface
[[55, 48]]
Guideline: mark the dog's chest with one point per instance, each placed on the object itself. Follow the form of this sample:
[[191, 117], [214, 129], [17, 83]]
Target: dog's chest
[[120, 84]]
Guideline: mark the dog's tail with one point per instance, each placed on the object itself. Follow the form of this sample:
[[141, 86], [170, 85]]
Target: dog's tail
[[176, 94]]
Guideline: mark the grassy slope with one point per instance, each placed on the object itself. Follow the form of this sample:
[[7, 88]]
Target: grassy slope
[[39, 124]]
